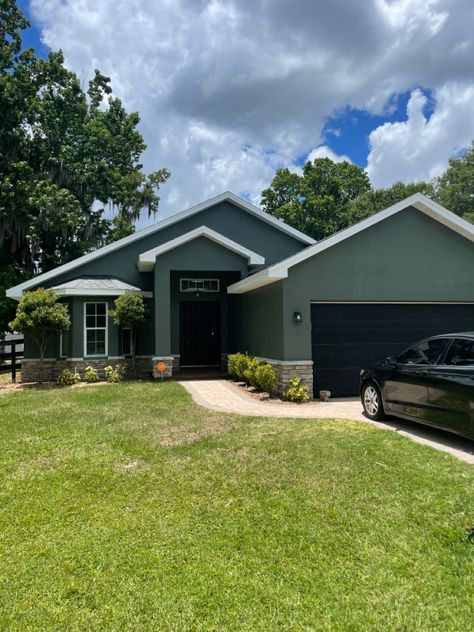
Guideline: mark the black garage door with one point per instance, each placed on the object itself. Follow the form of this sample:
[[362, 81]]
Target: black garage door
[[346, 337]]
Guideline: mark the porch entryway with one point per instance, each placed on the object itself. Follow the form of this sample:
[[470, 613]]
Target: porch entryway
[[200, 333]]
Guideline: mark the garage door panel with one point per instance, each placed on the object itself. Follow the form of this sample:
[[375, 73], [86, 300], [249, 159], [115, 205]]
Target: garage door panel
[[345, 332], [346, 337], [334, 356]]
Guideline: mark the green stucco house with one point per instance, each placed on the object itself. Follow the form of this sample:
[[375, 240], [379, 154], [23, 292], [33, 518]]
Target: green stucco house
[[224, 276]]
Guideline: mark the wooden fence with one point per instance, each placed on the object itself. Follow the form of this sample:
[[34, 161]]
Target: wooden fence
[[11, 352]]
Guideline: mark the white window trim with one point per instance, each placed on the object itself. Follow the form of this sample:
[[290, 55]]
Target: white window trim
[[199, 289], [97, 355]]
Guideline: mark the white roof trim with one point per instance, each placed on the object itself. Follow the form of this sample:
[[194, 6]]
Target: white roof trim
[[421, 202], [146, 260], [17, 290]]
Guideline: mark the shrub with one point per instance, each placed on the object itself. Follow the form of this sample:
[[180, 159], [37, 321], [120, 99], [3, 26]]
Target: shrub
[[265, 378], [67, 378], [295, 391], [91, 374], [115, 374], [250, 373], [237, 363], [39, 315]]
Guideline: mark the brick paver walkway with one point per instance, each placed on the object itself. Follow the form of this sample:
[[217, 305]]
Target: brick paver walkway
[[223, 396]]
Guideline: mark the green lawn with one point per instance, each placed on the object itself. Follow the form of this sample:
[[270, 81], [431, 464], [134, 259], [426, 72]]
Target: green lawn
[[127, 507]]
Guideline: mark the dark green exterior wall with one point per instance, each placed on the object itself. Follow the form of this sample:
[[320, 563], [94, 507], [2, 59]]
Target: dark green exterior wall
[[73, 339], [225, 218], [259, 322], [200, 255], [408, 257]]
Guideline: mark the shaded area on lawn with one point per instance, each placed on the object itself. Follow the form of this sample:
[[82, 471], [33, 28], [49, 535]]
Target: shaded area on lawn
[[127, 507]]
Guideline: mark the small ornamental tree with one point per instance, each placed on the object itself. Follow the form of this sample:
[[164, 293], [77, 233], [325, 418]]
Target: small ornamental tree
[[129, 312], [39, 315]]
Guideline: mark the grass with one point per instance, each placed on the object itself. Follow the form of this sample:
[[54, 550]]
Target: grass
[[6, 378], [127, 507]]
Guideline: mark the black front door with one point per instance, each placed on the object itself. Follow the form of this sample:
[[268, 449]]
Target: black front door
[[199, 333]]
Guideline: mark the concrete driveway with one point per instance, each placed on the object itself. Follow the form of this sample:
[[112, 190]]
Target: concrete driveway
[[224, 396]]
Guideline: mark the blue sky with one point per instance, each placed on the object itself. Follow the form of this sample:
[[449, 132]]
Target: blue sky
[[347, 132], [32, 36], [230, 90]]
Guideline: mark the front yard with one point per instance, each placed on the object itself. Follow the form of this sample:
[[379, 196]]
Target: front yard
[[127, 507]]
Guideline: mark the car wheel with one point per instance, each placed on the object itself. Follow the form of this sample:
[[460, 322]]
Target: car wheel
[[372, 402]]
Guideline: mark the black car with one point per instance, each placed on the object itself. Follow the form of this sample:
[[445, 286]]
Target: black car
[[431, 382]]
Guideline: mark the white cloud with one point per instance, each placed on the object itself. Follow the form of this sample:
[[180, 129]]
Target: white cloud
[[230, 89], [419, 148], [323, 151]]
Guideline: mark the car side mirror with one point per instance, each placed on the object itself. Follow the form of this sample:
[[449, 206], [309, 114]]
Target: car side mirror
[[392, 361]]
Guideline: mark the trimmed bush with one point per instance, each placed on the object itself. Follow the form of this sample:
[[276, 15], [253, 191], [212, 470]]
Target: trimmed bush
[[67, 378], [296, 391], [266, 378], [237, 363], [250, 373], [91, 374], [116, 374]]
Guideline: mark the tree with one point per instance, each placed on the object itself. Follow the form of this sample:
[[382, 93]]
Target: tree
[[66, 154], [316, 202], [376, 200], [129, 312], [455, 187], [39, 315], [329, 196]]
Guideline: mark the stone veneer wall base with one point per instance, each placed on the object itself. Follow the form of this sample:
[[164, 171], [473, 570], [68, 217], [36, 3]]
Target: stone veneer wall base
[[287, 370], [30, 367]]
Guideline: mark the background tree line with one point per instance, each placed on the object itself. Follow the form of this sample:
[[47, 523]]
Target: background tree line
[[66, 155], [329, 196]]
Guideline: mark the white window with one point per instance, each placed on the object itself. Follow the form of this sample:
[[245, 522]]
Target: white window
[[199, 285], [126, 341], [95, 329]]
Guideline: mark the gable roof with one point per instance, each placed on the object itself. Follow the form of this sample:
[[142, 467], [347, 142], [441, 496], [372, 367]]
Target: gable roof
[[146, 260], [17, 290], [421, 202]]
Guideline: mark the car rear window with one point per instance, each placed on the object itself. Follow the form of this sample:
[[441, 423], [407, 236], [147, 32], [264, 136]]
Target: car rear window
[[460, 353]]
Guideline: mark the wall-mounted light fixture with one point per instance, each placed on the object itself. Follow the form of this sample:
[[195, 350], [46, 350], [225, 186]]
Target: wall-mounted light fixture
[[297, 317]]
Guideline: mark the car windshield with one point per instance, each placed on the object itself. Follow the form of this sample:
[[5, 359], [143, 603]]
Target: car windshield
[[460, 353], [426, 352]]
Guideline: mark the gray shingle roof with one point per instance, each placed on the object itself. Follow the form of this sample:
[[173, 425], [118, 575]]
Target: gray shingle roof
[[91, 286]]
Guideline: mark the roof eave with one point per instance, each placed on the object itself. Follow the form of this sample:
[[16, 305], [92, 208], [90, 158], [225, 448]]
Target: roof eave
[[255, 281]]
